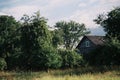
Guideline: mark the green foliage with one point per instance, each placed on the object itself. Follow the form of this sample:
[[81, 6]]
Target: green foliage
[[3, 64], [106, 55], [36, 44], [110, 22], [56, 38], [47, 58], [70, 32], [70, 58], [53, 59], [13, 61], [8, 26], [29, 45], [8, 38], [110, 53]]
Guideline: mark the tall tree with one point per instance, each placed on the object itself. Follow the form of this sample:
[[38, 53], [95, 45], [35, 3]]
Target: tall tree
[[70, 32], [110, 22], [8, 27], [36, 43], [8, 39]]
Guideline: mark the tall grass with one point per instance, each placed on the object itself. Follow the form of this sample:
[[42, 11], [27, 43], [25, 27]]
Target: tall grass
[[90, 73]]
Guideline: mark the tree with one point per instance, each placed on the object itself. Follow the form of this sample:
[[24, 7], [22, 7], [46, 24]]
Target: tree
[[8, 38], [8, 27], [37, 50], [56, 38], [70, 32], [110, 22]]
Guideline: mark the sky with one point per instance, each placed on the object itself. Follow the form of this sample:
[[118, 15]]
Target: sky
[[82, 11]]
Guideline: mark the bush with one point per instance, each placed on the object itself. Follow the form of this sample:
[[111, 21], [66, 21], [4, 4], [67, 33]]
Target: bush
[[3, 64], [48, 58], [13, 62], [70, 58]]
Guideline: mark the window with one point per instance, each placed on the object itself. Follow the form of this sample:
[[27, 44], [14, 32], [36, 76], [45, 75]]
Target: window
[[87, 44]]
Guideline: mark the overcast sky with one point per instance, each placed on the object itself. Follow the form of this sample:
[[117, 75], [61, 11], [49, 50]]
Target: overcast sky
[[82, 11]]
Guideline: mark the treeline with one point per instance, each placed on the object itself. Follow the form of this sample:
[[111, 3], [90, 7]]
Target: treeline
[[29, 45]]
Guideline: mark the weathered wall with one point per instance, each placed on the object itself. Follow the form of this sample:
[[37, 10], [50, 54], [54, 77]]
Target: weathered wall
[[82, 47]]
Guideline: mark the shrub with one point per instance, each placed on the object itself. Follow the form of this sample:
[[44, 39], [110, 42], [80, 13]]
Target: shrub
[[48, 58], [2, 64], [70, 58], [13, 62]]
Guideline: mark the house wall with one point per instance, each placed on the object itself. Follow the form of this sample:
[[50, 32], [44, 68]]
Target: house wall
[[82, 47]]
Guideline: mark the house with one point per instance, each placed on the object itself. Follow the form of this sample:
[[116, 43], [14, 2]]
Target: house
[[89, 43]]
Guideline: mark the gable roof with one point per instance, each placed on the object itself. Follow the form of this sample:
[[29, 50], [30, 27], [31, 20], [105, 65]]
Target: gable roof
[[97, 40]]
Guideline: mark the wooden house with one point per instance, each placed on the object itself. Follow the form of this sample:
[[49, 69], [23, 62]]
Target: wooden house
[[89, 43]]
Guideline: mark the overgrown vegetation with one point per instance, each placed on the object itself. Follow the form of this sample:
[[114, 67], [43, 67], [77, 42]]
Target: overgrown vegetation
[[88, 73], [109, 53], [106, 55], [28, 45], [70, 59], [2, 64]]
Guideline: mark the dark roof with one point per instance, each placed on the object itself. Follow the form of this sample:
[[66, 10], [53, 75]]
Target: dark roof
[[97, 40]]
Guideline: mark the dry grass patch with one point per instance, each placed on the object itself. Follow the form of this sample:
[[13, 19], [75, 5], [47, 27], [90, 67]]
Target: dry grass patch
[[67, 74]]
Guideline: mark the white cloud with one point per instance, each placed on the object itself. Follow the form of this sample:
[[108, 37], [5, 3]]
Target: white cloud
[[32, 6], [92, 1], [83, 17], [86, 3], [54, 4], [109, 1], [19, 11], [82, 11], [1, 13], [82, 5], [87, 15]]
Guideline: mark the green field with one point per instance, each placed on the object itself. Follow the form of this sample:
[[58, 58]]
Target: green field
[[67, 74]]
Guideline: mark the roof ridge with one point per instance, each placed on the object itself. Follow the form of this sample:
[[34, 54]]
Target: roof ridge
[[93, 35]]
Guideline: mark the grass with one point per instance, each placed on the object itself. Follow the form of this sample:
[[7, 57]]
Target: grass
[[67, 74]]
